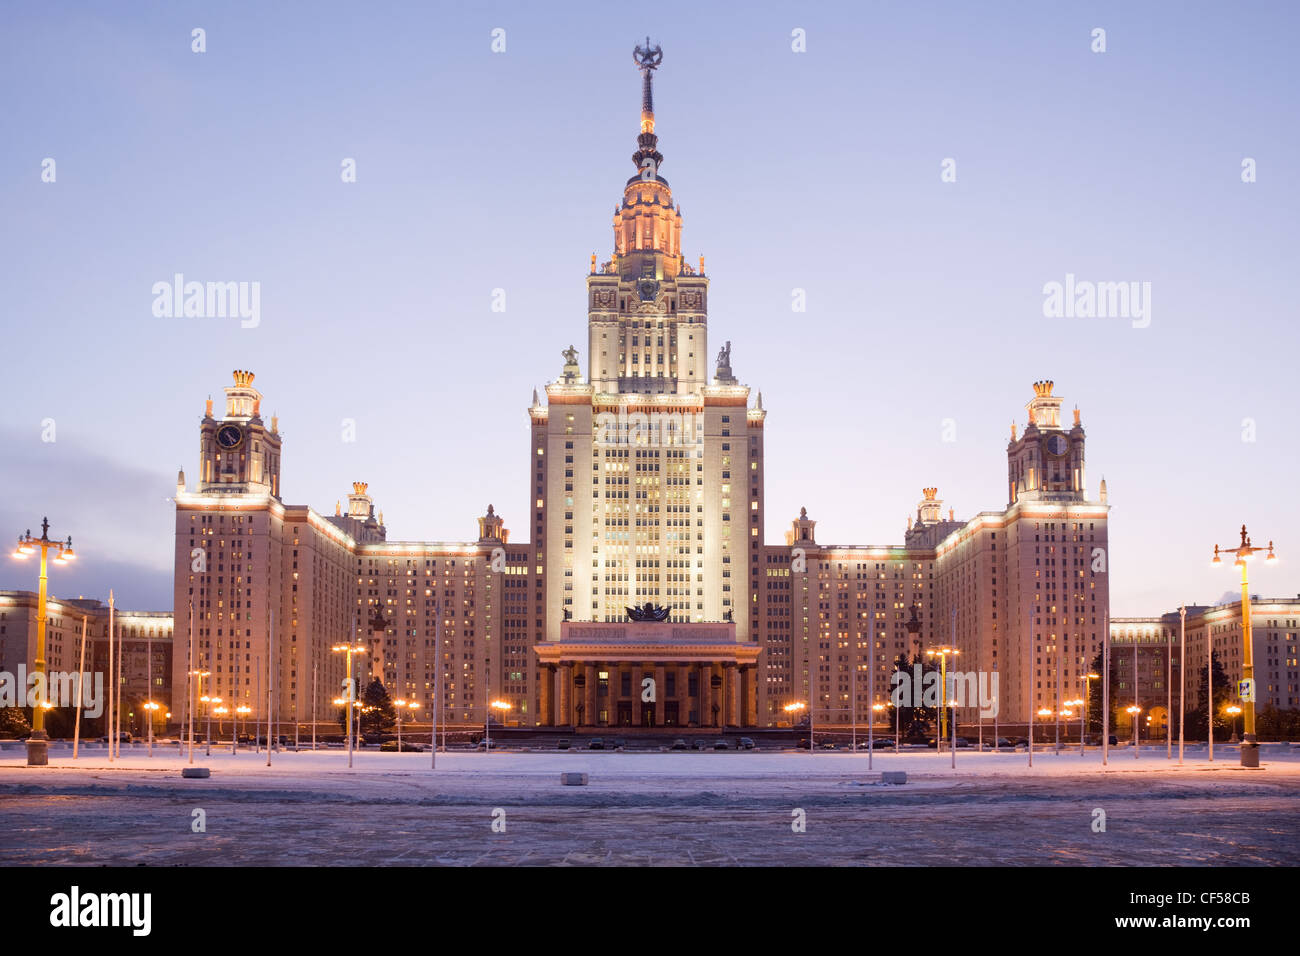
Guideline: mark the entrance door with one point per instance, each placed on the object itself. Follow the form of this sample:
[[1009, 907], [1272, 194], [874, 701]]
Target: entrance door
[[625, 713], [647, 715], [670, 713]]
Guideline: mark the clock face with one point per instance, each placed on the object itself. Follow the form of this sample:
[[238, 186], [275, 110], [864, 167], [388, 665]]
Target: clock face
[[228, 436], [1058, 446]]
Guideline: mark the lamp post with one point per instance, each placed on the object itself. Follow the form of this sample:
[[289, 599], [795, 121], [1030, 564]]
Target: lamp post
[[207, 707], [242, 712], [1245, 552], [402, 705], [221, 717], [871, 736], [500, 706], [1087, 707], [1133, 712], [794, 708], [942, 653], [1232, 710], [1082, 706], [349, 685], [1045, 712], [38, 742], [152, 709]]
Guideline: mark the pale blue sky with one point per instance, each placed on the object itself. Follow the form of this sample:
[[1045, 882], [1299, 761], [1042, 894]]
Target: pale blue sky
[[818, 171]]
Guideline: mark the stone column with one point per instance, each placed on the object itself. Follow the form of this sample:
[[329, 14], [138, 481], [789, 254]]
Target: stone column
[[706, 695], [731, 679], [589, 694], [545, 685], [683, 696], [565, 693], [750, 678], [636, 693], [661, 690]]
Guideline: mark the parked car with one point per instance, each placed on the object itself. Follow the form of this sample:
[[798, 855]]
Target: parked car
[[700, 744], [721, 745], [679, 744], [486, 744], [745, 743], [828, 745], [596, 743], [620, 743], [802, 743], [962, 742], [562, 745]]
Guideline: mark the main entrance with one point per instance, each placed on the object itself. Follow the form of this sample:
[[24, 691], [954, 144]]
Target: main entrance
[[647, 674]]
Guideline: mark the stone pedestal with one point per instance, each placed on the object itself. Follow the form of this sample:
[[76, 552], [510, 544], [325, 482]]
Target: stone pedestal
[[38, 752]]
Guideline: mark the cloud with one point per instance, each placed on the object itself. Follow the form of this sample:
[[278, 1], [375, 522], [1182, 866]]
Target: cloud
[[120, 518]]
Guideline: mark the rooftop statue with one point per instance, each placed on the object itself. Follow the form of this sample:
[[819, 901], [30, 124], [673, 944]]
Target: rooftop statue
[[649, 612]]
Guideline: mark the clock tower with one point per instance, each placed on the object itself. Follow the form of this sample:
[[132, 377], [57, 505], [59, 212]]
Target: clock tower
[[238, 454], [1046, 462]]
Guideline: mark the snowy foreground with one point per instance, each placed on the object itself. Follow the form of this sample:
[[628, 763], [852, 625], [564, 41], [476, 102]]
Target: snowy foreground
[[642, 808], [324, 766]]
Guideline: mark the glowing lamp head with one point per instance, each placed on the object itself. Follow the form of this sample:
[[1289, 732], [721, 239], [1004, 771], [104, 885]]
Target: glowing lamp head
[[1217, 559]]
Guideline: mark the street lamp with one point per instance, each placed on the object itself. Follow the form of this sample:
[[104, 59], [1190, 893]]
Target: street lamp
[[38, 742], [350, 685], [794, 708], [942, 653], [871, 731], [1082, 704], [402, 705], [1246, 689], [152, 708], [499, 705], [1133, 712], [1233, 710], [242, 712], [221, 716], [207, 710], [1087, 706]]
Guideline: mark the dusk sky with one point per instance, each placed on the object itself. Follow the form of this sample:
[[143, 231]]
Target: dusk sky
[[817, 171]]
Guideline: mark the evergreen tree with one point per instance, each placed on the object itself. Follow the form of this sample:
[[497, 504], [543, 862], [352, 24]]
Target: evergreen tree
[[14, 722], [1095, 707], [915, 718], [377, 715], [1223, 694]]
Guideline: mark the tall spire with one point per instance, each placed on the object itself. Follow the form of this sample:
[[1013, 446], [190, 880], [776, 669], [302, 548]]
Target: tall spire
[[647, 59]]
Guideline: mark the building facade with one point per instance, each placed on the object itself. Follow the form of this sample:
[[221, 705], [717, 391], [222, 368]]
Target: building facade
[[645, 476], [146, 648]]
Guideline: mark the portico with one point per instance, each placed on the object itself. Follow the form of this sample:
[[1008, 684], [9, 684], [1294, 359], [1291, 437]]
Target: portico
[[648, 674]]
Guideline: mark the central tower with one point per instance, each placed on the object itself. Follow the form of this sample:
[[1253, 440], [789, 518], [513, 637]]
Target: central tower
[[647, 308], [648, 473]]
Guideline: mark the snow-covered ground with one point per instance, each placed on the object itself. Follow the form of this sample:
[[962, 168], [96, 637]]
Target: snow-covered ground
[[248, 765], [650, 808]]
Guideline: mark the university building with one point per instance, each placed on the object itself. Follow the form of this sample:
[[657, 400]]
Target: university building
[[645, 500], [146, 648]]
